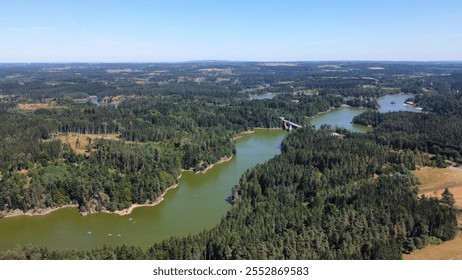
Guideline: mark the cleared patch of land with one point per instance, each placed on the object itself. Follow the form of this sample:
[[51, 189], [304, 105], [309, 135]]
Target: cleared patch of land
[[199, 80], [433, 181], [79, 142], [35, 106]]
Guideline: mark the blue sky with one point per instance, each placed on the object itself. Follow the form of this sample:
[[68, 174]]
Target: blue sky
[[246, 30]]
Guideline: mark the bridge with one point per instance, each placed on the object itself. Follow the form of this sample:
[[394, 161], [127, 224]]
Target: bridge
[[288, 124]]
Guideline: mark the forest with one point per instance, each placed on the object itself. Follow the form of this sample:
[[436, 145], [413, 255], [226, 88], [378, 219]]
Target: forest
[[324, 197], [157, 138], [329, 195]]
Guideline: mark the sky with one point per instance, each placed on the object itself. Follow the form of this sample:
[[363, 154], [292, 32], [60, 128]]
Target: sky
[[238, 30]]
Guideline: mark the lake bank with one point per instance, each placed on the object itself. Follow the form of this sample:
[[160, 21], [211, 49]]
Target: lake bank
[[122, 212], [197, 204], [34, 212], [132, 207]]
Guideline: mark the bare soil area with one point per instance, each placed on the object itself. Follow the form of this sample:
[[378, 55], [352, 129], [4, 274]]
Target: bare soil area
[[35, 106], [79, 142], [434, 180]]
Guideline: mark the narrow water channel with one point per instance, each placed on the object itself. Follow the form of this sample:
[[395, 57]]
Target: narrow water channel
[[197, 204]]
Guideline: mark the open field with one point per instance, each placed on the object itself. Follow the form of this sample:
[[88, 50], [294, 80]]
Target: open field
[[35, 106], [434, 180], [78, 142]]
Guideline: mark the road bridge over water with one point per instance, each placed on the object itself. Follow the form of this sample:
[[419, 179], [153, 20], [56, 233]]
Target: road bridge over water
[[288, 124]]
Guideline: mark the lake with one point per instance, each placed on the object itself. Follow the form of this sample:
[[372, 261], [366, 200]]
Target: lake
[[197, 204], [342, 117]]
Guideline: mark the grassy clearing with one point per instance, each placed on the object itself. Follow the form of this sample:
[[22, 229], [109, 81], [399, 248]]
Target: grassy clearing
[[79, 142], [35, 106], [433, 182]]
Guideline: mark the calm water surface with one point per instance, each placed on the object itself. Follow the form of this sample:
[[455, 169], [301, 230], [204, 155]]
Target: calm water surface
[[342, 117], [197, 204], [386, 103]]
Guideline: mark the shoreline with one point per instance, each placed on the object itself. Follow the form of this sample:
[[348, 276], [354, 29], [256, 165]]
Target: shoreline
[[123, 212], [36, 212], [129, 210], [344, 105], [210, 166], [132, 207], [242, 134], [324, 112], [221, 160]]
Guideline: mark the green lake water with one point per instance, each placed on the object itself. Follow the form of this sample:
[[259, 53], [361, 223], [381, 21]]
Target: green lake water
[[197, 204], [342, 117]]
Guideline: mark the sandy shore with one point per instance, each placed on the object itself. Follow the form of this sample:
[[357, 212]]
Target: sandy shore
[[39, 212], [35, 212], [223, 159], [129, 210]]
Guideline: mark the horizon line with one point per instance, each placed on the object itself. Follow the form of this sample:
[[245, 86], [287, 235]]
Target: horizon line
[[237, 61]]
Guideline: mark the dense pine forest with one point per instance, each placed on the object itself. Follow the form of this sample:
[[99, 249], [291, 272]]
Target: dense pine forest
[[331, 194]]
